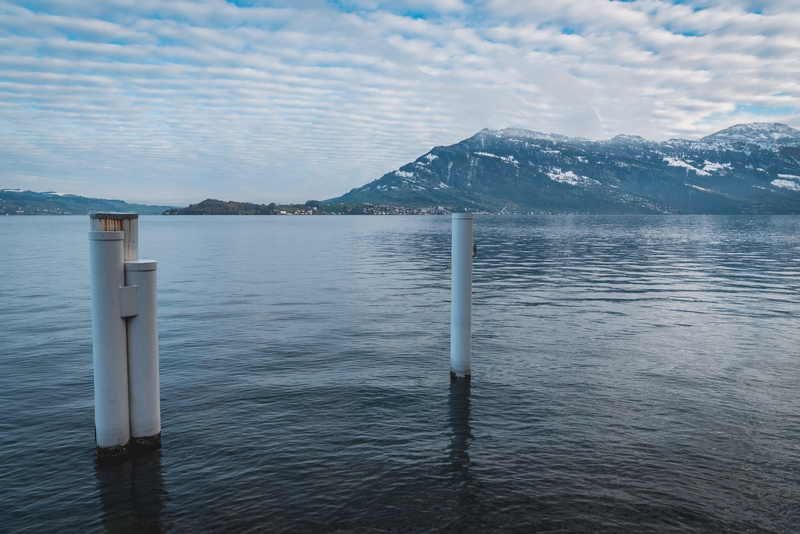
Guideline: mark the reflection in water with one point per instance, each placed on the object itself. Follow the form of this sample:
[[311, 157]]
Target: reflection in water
[[132, 494], [470, 510], [461, 437]]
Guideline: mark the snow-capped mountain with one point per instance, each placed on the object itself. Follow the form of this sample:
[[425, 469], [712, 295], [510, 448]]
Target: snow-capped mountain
[[747, 168], [764, 135]]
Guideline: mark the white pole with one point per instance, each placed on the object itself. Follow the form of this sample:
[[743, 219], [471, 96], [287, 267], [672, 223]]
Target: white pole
[[143, 383], [112, 426], [461, 296]]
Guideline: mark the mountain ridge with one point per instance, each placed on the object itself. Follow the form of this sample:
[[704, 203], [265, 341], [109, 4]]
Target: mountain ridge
[[746, 168]]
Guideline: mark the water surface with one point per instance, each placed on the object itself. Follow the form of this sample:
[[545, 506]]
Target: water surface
[[629, 374]]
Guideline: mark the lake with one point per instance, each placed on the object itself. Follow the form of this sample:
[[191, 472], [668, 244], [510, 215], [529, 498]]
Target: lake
[[629, 374]]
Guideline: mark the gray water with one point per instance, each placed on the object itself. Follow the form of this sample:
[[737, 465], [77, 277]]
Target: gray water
[[629, 374]]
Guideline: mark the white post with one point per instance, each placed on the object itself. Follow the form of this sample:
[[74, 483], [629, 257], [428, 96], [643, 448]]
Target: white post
[[112, 426], [461, 296], [125, 337], [145, 402]]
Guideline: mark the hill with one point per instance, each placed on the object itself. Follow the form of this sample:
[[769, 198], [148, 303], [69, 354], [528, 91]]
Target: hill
[[748, 168], [15, 202], [212, 206]]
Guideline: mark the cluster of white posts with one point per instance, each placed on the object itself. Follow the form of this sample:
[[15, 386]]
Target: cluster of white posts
[[127, 407]]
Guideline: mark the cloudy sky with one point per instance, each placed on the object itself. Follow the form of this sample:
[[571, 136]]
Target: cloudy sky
[[176, 101]]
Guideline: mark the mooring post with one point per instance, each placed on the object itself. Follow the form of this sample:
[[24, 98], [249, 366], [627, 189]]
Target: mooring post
[[109, 351], [461, 296], [143, 382], [125, 358]]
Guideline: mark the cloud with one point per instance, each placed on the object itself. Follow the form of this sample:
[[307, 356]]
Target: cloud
[[285, 101]]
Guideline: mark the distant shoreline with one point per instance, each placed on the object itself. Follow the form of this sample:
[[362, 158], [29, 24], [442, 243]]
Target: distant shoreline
[[15, 202]]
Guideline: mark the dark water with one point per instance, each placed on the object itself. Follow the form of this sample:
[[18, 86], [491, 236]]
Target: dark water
[[629, 374]]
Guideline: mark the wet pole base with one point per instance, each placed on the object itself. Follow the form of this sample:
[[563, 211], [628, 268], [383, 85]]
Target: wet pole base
[[454, 377], [115, 452], [145, 444]]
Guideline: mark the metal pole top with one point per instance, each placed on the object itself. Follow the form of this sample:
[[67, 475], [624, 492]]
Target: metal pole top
[[117, 216], [109, 221], [468, 216], [141, 265]]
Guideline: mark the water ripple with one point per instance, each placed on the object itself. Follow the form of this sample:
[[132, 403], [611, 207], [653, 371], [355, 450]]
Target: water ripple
[[630, 374]]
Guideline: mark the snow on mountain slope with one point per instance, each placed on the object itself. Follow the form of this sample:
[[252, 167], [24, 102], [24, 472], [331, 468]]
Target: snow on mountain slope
[[747, 168], [763, 135]]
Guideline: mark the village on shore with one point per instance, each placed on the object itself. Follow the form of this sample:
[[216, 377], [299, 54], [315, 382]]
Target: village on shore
[[312, 207]]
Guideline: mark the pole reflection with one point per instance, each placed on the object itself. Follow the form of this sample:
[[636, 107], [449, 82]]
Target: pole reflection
[[468, 512], [132, 494], [461, 437]]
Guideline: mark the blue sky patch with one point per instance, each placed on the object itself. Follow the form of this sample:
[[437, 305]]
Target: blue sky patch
[[764, 111]]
